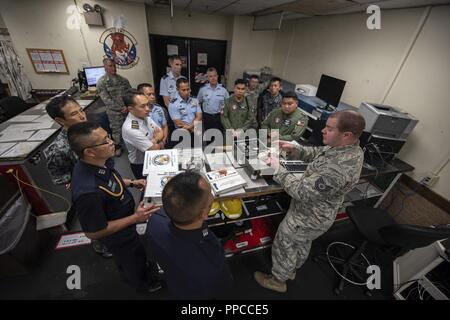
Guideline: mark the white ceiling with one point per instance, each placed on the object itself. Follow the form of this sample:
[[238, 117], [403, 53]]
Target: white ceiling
[[292, 8]]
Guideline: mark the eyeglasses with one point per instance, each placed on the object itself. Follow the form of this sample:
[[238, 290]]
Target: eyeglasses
[[109, 140]]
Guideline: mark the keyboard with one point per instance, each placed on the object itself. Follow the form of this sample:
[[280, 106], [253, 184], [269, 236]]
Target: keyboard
[[294, 165]]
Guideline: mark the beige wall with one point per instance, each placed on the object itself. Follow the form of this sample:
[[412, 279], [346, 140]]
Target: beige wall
[[54, 24], [61, 28], [246, 49], [422, 88], [369, 61], [250, 50], [338, 45], [343, 47]]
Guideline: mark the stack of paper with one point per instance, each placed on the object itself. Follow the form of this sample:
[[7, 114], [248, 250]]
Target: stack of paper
[[21, 149], [42, 135], [160, 161], [15, 136], [5, 147], [23, 118], [156, 182], [159, 167], [223, 181]]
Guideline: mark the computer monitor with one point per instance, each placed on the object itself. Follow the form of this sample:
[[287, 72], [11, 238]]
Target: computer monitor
[[93, 74], [330, 90]]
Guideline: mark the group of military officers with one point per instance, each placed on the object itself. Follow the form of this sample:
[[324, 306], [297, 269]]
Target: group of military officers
[[250, 106], [82, 157]]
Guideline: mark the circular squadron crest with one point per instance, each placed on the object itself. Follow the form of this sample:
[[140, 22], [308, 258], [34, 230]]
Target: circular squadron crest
[[120, 45]]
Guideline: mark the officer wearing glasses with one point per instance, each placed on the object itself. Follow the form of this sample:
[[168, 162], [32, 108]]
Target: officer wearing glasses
[[106, 209], [60, 159]]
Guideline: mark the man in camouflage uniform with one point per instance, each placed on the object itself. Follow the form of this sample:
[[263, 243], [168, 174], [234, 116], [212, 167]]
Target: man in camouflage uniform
[[238, 114], [60, 158], [289, 119], [111, 88], [269, 100], [316, 196], [253, 90]]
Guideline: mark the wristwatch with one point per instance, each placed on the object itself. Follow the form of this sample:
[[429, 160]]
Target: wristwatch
[[131, 184]]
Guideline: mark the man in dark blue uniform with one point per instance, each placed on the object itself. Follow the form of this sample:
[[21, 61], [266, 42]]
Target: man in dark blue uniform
[[105, 207], [60, 159], [189, 253]]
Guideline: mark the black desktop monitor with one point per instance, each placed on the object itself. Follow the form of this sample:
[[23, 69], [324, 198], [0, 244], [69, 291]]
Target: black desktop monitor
[[93, 74], [330, 90]]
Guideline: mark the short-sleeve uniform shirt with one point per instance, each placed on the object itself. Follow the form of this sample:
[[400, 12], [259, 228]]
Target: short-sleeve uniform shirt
[[168, 85], [137, 134], [184, 110]]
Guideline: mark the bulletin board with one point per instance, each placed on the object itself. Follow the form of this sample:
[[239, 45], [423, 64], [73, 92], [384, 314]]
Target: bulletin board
[[48, 60]]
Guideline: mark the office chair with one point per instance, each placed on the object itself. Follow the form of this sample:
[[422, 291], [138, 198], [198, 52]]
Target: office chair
[[13, 106], [379, 228]]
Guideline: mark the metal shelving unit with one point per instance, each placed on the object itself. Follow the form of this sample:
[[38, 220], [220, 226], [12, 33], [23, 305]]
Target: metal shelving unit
[[364, 190], [248, 213], [252, 209]]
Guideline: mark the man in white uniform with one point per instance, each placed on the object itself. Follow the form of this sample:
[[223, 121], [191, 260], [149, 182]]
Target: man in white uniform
[[139, 131]]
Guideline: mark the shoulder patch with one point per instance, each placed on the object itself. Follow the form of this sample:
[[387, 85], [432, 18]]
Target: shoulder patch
[[173, 100], [165, 76], [321, 186]]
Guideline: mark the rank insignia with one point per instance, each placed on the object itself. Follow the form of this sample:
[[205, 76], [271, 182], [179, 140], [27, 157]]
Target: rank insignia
[[134, 124]]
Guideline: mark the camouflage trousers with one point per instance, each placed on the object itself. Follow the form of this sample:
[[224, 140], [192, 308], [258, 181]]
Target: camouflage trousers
[[291, 247], [116, 119]]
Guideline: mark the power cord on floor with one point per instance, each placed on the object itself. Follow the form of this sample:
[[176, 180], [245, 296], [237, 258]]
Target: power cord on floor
[[15, 174]]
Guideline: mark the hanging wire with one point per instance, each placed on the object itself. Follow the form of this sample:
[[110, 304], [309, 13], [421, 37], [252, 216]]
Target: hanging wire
[[15, 174]]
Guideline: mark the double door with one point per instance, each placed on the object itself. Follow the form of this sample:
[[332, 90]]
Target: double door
[[197, 56]]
